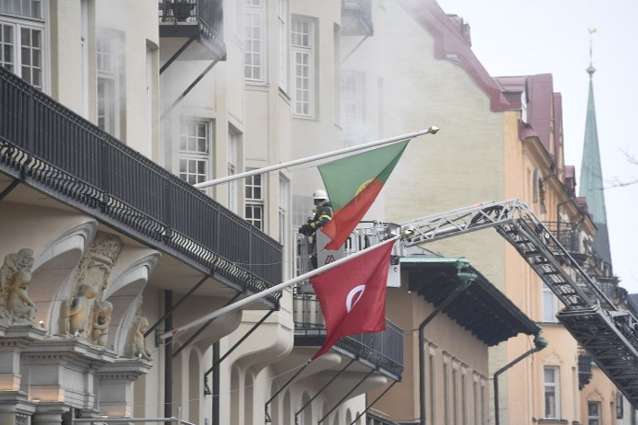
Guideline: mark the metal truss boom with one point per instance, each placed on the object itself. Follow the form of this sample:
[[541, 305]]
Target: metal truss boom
[[607, 332]]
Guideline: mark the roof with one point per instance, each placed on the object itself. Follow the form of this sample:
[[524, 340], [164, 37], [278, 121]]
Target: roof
[[481, 309], [451, 42], [591, 179]]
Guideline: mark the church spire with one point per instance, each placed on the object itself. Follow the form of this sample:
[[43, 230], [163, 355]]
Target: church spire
[[591, 174]]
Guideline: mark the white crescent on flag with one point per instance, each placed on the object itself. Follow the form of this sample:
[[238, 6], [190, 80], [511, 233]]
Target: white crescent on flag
[[354, 296]]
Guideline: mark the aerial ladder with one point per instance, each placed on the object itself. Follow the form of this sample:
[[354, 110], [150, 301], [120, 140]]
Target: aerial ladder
[[608, 332]]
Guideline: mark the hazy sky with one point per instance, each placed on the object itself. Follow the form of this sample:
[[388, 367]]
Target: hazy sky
[[514, 37]]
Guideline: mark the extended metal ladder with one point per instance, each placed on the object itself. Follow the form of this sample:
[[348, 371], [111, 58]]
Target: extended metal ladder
[[608, 333]]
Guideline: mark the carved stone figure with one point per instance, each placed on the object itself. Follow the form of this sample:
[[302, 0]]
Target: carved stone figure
[[101, 322], [87, 315], [138, 341], [15, 276], [78, 311]]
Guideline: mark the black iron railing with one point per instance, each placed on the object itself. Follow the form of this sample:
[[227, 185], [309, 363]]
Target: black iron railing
[[206, 14], [65, 155], [383, 349]]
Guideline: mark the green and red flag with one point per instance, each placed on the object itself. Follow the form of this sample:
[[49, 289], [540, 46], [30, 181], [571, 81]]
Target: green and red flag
[[352, 295], [353, 184]]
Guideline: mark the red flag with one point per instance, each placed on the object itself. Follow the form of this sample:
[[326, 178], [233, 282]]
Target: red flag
[[352, 295]]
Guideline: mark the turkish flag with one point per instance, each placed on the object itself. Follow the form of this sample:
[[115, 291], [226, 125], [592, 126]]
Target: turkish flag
[[352, 295]]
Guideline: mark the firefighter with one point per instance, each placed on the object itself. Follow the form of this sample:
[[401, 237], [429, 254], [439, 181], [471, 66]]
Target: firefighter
[[322, 213]]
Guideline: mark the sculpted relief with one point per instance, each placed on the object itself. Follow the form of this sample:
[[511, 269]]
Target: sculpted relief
[[86, 315], [16, 307], [138, 341]]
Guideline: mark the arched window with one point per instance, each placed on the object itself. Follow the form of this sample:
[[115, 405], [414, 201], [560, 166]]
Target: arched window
[[194, 392], [234, 396], [307, 413], [248, 398], [286, 413], [348, 417]]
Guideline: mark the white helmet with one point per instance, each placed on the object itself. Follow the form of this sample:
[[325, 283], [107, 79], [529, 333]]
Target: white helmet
[[320, 194]]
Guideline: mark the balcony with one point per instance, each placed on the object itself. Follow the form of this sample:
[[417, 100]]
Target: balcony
[[59, 153], [356, 18], [198, 19], [384, 349]]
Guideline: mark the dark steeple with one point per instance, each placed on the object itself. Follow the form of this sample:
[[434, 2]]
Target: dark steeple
[[591, 174]]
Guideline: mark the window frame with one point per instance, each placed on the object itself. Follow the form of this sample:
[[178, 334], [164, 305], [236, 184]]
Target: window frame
[[196, 155], [260, 12], [283, 23], [114, 39], [556, 389], [253, 203], [548, 295], [598, 416], [18, 23], [310, 51]]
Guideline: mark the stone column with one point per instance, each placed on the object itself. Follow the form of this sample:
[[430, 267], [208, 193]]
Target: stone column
[[115, 383]]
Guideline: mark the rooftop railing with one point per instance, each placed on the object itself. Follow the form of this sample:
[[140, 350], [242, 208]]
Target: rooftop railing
[[62, 154]]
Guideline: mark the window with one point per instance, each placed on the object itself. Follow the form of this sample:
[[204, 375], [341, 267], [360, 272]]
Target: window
[[552, 388], [483, 406], [303, 62], [108, 47], [593, 413], [284, 50], [233, 168], [446, 394], [22, 8], [22, 41], [284, 221], [194, 151], [550, 305], [619, 406], [463, 400], [477, 406], [455, 401], [254, 201], [353, 103], [255, 42], [432, 388]]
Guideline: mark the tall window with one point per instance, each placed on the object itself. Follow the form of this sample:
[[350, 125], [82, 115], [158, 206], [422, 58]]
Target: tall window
[[432, 388], [254, 194], [552, 392], [255, 42], [194, 151], [284, 49], [353, 103], [620, 413], [234, 141], [455, 398], [477, 406], [303, 62], [446, 394], [284, 221], [109, 44], [593, 413], [550, 305], [463, 400], [22, 39]]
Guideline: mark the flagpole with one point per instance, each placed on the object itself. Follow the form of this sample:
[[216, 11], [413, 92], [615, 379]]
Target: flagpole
[[313, 158], [254, 297]]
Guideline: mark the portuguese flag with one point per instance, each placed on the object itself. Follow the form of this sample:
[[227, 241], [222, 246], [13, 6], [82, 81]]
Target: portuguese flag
[[353, 184]]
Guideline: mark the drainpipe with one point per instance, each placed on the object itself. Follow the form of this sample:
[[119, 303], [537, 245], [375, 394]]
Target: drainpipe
[[539, 344], [468, 279]]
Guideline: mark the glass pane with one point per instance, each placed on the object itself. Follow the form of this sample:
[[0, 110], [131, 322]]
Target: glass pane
[[26, 57], [182, 165], [191, 166], [35, 38], [549, 375], [26, 37], [201, 167]]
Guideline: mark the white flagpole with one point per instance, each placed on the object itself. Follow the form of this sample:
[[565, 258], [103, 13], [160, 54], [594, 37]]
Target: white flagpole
[[313, 158], [249, 299]]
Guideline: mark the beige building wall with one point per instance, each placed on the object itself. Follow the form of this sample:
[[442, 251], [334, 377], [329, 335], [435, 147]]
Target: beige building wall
[[449, 348]]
